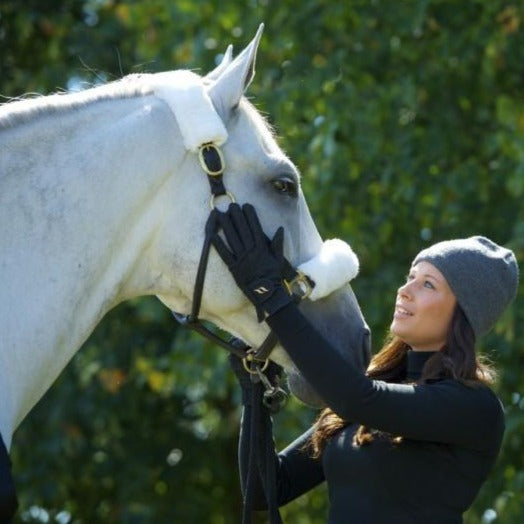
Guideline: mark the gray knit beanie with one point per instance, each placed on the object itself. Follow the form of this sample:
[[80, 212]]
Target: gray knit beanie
[[482, 275]]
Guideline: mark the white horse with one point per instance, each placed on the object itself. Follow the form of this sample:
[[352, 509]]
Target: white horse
[[102, 199]]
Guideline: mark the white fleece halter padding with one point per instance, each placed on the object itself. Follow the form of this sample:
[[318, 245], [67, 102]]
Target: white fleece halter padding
[[335, 265], [187, 97]]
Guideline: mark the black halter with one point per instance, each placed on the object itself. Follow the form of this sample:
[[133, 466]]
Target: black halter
[[298, 284], [255, 360], [212, 162]]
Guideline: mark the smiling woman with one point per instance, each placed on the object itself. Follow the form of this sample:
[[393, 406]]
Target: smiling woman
[[414, 438], [423, 310]]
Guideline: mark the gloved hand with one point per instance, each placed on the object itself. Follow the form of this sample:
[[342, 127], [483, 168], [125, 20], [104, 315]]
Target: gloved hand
[[257, 264], [247, 380]]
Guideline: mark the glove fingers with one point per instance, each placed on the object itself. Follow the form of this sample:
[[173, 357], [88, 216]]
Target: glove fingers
[[277, 243], [242, 226], [253, 222], [223, 251], [277, 248], [230, 231]]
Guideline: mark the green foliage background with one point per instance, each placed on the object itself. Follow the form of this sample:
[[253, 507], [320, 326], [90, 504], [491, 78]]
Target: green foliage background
[[407, 122]]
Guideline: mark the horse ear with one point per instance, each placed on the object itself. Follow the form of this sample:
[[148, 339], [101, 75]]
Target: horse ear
[[220, 68], [231, 82]]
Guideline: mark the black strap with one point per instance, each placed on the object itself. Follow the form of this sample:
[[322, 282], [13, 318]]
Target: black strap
[[252, 463], [217, 185], [267, 468], [214, 167], [8, 499], [210, 230], [261, 460]]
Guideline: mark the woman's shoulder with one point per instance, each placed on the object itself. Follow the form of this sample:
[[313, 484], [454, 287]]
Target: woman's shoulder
[[477, 397], [469, 389], [477, 410]]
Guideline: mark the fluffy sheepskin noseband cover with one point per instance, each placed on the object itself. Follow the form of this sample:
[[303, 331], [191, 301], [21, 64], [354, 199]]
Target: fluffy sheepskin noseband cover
[[335, 265]]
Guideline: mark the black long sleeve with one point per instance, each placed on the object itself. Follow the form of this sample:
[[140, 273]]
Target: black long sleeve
[[451, 435], [434, 412]]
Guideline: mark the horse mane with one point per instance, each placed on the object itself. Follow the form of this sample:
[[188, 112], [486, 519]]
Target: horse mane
[[25, 108], [21, 110]]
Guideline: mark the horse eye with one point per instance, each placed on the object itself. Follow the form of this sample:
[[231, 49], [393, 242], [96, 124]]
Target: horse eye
[[286, 186]]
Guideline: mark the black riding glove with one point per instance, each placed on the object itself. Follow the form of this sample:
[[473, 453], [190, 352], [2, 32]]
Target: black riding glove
[[257, 264]]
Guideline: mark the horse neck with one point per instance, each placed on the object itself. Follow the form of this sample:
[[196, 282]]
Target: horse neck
[[75, 188]]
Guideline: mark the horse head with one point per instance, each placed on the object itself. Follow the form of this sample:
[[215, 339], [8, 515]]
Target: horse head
[[257, 172]]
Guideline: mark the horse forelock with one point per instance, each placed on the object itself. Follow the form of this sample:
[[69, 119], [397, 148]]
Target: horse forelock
[[266, 133], [260, 119]]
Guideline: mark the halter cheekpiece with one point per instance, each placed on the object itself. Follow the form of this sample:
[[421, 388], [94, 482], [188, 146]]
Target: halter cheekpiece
[[255, 360]]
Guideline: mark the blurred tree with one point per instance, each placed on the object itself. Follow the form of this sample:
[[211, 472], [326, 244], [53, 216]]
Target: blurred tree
[[407, 122]]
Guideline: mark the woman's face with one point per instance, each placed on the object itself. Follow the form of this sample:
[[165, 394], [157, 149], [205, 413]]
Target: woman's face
[[423, 310]]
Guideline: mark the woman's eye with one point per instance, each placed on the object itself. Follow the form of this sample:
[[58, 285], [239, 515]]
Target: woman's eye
[[429, 285], [286, 186]]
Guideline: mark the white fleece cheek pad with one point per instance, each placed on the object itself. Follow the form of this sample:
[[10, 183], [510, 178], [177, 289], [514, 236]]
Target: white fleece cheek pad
[[335, 265], [187, 97]]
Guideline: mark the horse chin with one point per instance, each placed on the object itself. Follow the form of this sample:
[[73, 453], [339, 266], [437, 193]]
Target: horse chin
[[303, 391], [339, 320]]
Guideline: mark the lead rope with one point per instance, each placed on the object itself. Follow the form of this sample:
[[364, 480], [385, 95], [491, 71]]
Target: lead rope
[[267, 465], [261, 460], [266, 397]]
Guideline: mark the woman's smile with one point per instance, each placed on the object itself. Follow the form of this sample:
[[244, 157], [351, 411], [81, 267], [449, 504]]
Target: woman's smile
[[401, 311], [423, 309]]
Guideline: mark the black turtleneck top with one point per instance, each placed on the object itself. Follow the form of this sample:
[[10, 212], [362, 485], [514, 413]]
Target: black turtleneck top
[[451, 435]]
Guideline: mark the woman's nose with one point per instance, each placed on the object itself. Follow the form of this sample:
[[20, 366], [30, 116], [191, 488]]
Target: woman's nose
[[404, 291]]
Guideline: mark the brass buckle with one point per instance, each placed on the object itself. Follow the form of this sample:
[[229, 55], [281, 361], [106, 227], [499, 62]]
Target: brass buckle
[[299, 286], [205, 167]]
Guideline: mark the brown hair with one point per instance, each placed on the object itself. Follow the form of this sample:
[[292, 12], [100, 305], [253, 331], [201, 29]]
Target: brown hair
[[456, 360]]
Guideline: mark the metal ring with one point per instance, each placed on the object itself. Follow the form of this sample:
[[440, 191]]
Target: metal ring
[[299, 286], [203, 163], [227, 194], [249, 370]]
